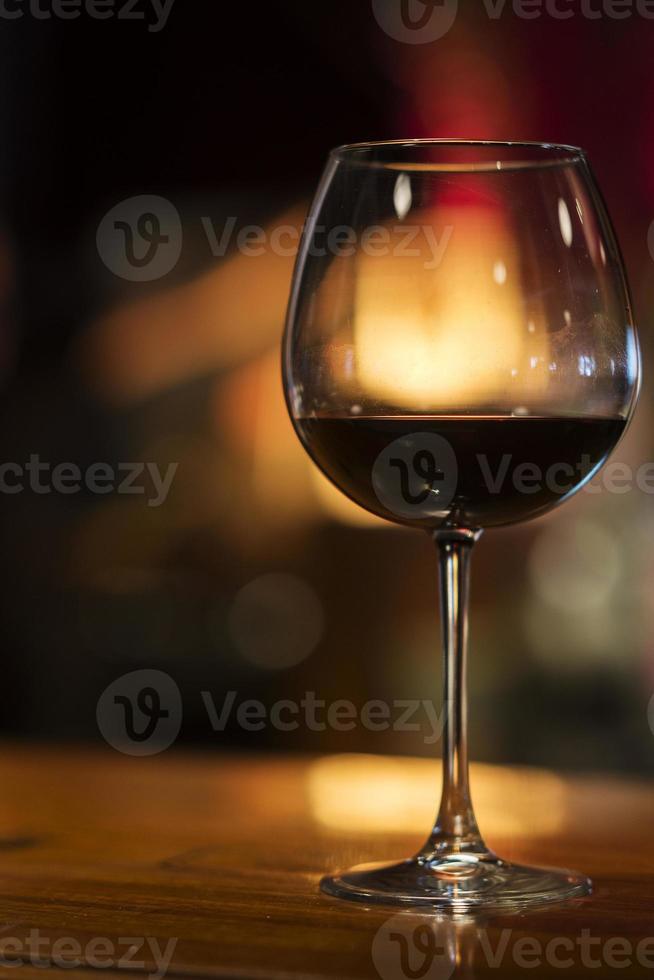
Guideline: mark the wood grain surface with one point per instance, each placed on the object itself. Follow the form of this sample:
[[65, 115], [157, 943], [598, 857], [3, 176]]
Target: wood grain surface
[[216, 859]]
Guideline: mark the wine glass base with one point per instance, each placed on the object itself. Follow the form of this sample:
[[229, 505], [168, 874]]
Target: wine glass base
[[458, 883]]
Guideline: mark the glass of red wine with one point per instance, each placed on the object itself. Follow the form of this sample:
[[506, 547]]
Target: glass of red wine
[[459, 354]]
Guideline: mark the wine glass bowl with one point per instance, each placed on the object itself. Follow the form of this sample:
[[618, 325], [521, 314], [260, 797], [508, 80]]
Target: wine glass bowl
[[459, 354]]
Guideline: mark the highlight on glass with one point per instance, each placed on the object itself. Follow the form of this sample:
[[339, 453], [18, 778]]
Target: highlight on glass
[[460, 354]]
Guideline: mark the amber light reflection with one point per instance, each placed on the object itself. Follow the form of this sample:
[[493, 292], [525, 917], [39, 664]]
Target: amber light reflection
[[228, 321], [437, 338], [362, 791]]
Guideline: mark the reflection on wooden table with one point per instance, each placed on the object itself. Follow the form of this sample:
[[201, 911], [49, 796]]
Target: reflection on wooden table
[[223, 855]]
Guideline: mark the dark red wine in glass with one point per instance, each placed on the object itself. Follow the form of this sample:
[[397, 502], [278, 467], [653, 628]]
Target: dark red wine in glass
[[460, 354]]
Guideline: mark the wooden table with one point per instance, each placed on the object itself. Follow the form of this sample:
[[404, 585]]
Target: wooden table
[[223, 855]]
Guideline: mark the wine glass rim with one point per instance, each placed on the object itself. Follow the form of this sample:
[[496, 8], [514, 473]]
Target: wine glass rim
[[508, 156]]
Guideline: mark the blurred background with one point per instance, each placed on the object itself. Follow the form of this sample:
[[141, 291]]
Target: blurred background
[[254, 575]]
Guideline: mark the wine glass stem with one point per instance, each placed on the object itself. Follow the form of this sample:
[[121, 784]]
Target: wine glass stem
[[456, 828]]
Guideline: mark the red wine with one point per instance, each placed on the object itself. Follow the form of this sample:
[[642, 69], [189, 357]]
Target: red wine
[[472, 471]]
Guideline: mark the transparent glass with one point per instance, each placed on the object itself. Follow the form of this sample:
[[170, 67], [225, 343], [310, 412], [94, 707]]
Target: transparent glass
[[459, 354]]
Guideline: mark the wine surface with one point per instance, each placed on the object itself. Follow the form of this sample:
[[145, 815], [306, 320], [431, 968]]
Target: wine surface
[[471, 471]]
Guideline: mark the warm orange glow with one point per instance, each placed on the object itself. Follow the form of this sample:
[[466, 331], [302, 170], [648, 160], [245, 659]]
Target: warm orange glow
[[362, 791], [221, 319], [280, 482], [436, 336], [340, 508]]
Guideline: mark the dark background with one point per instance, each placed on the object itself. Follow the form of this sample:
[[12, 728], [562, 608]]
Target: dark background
[[229, 111]]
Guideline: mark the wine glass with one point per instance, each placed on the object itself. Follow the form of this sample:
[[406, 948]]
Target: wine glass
[[459, 354]]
